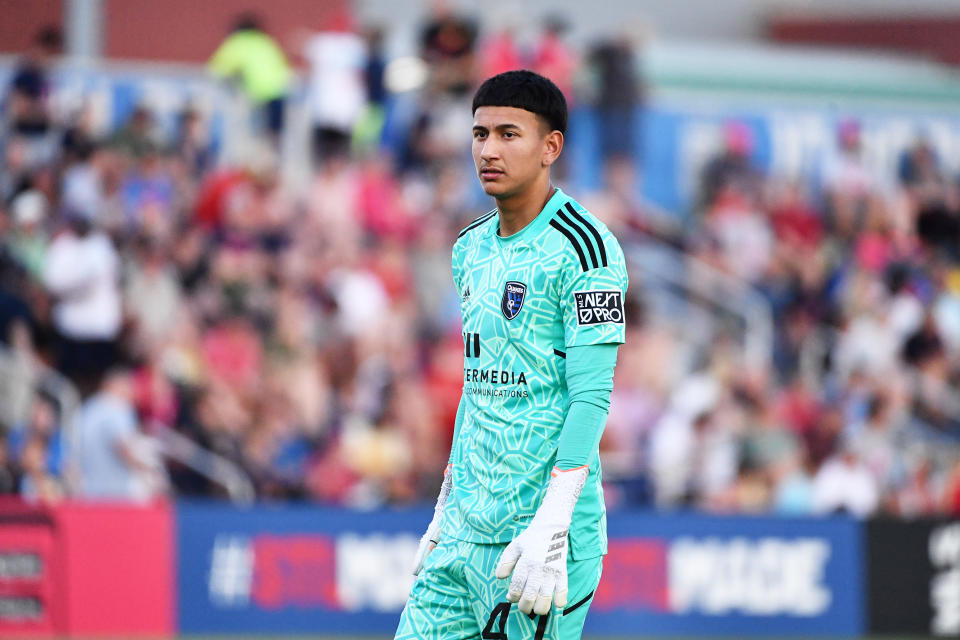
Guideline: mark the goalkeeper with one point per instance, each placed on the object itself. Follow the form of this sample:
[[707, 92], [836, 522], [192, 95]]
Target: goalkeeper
[[515, 547]]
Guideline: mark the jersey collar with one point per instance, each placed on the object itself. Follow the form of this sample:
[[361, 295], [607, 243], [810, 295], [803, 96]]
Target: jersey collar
[[537, 224]]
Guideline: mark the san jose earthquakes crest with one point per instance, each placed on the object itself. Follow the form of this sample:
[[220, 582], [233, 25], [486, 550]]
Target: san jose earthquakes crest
[[512, 301]]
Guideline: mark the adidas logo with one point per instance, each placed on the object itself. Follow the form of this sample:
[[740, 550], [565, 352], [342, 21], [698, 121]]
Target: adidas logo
[[466, 294]]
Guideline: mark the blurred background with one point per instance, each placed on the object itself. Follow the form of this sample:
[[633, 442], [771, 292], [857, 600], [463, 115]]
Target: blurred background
[[226, 304]]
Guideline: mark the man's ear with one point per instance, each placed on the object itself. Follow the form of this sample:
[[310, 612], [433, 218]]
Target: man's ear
[[552, 146]]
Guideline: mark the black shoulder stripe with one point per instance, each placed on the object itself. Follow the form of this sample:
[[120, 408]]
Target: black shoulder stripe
[[476, 223], [576, 245], [557, 352], [593, 230], [583, 234]]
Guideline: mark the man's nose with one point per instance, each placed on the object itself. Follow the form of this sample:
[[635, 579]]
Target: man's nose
[[489, 150]]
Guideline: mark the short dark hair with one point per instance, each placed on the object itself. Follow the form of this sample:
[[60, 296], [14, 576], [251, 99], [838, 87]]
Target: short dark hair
[[524, 90]]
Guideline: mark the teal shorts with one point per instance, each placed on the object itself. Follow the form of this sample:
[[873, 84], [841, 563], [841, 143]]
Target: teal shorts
[[457, 597]]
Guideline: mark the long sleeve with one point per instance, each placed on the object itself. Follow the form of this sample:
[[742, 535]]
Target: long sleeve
[[589, 382]]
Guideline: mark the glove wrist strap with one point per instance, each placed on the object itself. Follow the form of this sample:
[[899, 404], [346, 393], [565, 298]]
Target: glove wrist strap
[[562, 494]]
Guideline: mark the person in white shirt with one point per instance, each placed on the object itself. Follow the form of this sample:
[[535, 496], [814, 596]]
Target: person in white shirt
[[81, 273], [844, 484], [336, 91]]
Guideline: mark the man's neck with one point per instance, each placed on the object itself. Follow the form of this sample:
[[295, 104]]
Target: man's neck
[[520, 210]]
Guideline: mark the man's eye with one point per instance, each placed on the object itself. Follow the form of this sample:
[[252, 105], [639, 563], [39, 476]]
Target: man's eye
[[479, 134], [509, 134]]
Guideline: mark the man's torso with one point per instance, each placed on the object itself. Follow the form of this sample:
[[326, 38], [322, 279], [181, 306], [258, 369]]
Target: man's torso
[[516, 329]]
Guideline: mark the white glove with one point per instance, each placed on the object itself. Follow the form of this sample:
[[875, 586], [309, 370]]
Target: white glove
[[538, 556], [432, 536]]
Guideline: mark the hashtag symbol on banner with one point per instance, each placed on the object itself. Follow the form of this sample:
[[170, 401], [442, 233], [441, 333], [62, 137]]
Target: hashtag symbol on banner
[[231, 571]]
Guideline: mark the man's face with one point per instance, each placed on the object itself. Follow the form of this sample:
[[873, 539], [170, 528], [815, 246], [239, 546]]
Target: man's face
[[510, 149]]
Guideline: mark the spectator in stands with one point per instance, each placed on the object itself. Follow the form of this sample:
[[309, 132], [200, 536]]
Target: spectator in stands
[[500, 49], [742, 232], [8, 474], [369, 129], [917, 497], [554, 58], [28, 99], [674, 439], [82, 188], [447, 42], [138, 137], [766, 444], [37, 483], [114, 461], [42, 428], [193, 145], [920, 172], [82, 275], [27, 242], [793, 493], [853, 190], [844, 484], [152, 295], [732, 170], [447, 45], [336, 93], [252, 56], [619, 93], [21, 362], [945, 307]]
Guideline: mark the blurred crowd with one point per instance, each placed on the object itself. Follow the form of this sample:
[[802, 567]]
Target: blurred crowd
[[309, 334], [856, 410]]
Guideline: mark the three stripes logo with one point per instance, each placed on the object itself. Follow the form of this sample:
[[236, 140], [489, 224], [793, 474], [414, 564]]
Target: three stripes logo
[[476, 223], [583, 236], [471, 345]]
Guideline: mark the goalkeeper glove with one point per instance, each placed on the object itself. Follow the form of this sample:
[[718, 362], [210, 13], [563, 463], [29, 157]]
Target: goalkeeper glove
[[537, 557], [432, 536]]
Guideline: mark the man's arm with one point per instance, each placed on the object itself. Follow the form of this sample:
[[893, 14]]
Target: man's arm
[[591, 304], [590, 383], [537, 558]]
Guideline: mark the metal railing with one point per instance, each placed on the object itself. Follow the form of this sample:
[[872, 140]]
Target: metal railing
[[22, 376], [218, 469], [705, 290]]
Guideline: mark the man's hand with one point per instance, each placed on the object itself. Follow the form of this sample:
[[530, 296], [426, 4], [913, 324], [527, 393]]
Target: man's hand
[[432, 536], [537, 558]]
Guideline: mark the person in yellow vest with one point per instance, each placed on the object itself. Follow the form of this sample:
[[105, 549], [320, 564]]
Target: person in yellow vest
[[253, 58]]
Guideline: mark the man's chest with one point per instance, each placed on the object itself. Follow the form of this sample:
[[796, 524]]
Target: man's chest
[[512, 290]]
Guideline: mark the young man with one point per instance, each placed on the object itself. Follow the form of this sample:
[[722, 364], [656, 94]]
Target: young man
[[520, 517]]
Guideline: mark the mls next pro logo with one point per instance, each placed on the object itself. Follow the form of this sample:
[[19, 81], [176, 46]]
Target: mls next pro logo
[[599, 307]]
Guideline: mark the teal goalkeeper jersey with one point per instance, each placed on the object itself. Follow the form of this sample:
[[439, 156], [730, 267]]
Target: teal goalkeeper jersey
[[525, 299]]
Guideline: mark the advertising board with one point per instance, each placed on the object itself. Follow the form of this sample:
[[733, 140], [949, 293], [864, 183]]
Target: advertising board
[[913, 577], [300, 569]]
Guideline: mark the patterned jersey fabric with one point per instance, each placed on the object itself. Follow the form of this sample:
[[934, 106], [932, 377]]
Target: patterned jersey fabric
[[525, 299]]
